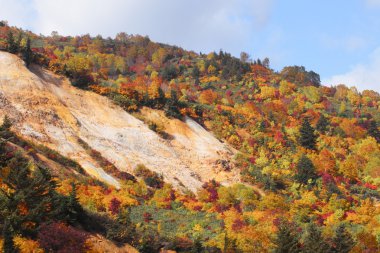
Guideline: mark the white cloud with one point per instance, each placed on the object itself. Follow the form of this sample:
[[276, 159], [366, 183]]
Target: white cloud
[[363, 76], [350, 43], [197, 24], [17, 13], [373, 3]]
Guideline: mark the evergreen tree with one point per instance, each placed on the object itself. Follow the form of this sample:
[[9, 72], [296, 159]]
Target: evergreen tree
[[169, 72], [5, 135], [29, 195], [305, 171], [195, 72], [266, 63], [11, 44], [71, 210], [7, 124], [27, 53], [308, 138], [287, 239], [161, 100], [314, 241], [3, 152], [262, 126], [230, 245], [5, 129], [322, 124], [8, 244], [122, 230], [373, 130], [197, 246], [342, 241], [149, 241], [18, 42], [172, 106]]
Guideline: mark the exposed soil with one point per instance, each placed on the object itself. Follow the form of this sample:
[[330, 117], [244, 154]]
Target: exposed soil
[[47, 109]]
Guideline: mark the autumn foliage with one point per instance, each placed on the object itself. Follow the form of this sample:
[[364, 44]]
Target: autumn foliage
[[307, 154]]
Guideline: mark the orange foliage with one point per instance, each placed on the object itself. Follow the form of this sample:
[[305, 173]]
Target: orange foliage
[[325, 162], [208, 97]]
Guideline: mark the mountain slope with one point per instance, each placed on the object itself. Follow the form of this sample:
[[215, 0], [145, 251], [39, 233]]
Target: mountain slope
[[308, 153], [48, 110]]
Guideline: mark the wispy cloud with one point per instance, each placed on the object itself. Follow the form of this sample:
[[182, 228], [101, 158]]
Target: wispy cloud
[[17, 13], [373, 3], [199, 25], [349, 43], [364, 76]]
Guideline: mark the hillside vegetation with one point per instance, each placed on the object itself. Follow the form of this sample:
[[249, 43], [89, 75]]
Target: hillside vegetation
[[308, 155]]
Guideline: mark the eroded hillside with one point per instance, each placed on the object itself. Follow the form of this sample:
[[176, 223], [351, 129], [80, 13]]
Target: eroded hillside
[[47, 109]]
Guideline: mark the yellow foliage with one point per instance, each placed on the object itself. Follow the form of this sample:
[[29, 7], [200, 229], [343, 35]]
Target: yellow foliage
[[211, 56], [272, 201], [159, 56], [27, 245], [211, 70], [209, 79], [367, 148], [267, 92], [153, 75], [163, 197], [286, 88], [78, 64], [363, 213], [353, 96], [335, 218], [352, 166]]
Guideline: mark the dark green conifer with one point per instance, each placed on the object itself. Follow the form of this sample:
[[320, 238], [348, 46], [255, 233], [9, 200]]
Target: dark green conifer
[[18, 42], [11, 44], [8, 244], [27, 53], [262, 126], [161, 100], [314, 241], [3, 152], [195, 72], [5, 129], [7, 124], [172, 106], [322, 124], [74, 209], [342, 241], [287, 239], [305, 171], [373, 130], [33, 190], [308, 138], [197, 246], [122, 230]]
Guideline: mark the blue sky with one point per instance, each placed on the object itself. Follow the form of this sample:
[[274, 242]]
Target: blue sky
[[338, 39]]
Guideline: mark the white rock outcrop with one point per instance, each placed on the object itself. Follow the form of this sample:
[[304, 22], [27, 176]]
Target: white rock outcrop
[[47, 109]]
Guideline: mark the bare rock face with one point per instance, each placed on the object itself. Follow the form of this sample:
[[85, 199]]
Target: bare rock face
[[48, 110]]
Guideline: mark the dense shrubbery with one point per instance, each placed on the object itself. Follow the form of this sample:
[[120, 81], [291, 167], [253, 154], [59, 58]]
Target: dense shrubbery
[[58, 237], [151, 178]]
